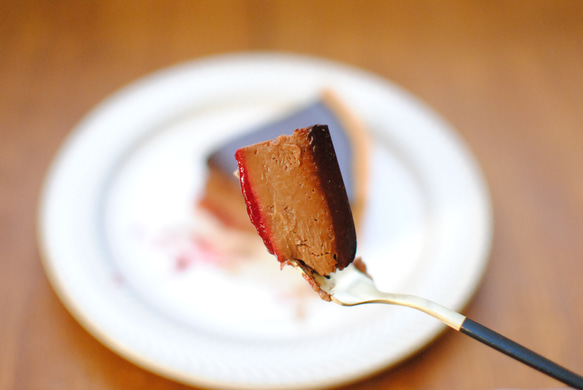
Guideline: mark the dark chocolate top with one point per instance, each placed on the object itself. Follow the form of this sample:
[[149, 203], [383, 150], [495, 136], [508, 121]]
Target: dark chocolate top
[[333, 189]]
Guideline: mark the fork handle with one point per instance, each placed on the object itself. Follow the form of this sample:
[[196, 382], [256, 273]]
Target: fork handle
[[520, 353]]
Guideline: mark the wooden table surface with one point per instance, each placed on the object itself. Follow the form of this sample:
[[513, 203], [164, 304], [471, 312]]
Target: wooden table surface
[[507, 75]]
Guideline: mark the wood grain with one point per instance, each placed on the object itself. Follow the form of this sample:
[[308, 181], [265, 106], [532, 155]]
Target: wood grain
[[507, 75]]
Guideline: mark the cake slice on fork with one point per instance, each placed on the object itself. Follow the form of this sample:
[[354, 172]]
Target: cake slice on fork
[[296, 199]]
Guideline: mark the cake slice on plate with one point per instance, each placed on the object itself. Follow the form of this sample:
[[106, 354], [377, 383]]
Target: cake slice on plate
[[222, 195]]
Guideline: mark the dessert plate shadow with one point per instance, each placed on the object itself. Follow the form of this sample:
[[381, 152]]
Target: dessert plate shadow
[[157, 281]]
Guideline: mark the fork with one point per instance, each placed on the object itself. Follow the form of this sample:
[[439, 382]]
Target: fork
[[350, 287]]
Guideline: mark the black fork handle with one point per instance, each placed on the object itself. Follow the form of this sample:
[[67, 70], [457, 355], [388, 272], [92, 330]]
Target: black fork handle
[[520, 353]]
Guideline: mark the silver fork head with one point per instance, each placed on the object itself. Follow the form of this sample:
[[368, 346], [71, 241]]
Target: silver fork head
[[351, 286]]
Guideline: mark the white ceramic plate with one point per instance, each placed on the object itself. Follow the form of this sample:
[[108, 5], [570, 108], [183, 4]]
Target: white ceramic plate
[[130, 257]]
